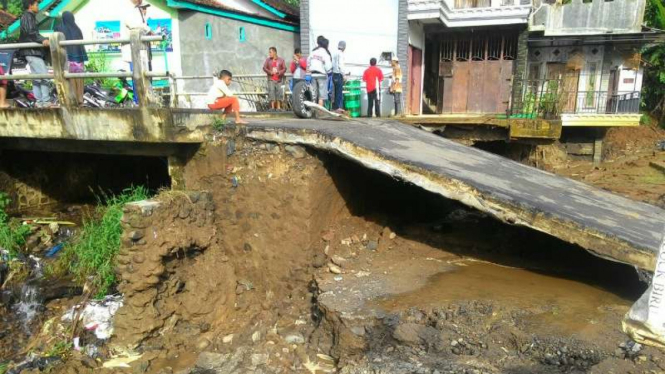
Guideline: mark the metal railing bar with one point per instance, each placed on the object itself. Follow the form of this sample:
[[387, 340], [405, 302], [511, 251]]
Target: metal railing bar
[[147, 38], [20, 77], [64, 43], [97, 75]]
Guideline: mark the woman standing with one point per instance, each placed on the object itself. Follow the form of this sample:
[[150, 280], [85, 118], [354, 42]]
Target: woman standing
[[76, 54]]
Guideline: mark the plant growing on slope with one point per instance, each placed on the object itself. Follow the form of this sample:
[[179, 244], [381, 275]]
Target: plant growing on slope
[[12, 233], [218, 124], [653, 98], [91, 257]]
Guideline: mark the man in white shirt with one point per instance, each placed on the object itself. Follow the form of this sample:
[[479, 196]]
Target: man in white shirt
[[220, 97], [339, 71]]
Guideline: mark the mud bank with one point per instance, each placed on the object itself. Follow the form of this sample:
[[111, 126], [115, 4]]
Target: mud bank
[[281, 259], [292, 261]]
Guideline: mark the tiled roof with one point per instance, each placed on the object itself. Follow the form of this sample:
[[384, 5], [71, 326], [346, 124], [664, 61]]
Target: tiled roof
[[277, 4], [6, 18], [282, 6]]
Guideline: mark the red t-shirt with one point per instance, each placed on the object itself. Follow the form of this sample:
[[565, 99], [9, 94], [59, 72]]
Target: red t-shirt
[[275, 66], [371, 75]]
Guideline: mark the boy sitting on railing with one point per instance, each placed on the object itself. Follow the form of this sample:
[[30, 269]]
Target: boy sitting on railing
[[220, 97]]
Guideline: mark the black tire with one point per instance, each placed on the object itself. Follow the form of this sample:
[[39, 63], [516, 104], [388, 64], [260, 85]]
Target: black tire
[[304, 92]]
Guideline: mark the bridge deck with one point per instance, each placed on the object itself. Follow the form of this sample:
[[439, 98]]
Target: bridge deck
[[606, 224]]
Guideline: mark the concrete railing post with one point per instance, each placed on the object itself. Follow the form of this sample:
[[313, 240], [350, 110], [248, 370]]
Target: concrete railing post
[[66, 94], [139, 61]]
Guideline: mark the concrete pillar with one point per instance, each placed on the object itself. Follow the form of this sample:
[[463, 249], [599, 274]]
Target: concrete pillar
[[139, 57], [598, 146], [520, 69], [66, 94], [177, 172], [403, 48]]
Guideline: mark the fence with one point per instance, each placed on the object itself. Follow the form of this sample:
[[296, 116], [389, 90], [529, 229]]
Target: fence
[[62, 78], [550, 98], [252, 87]]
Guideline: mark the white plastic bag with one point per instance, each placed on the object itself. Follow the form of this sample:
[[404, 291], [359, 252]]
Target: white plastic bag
[[645, 322]]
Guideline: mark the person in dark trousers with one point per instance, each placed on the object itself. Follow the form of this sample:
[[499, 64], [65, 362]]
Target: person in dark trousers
[[29, 33], [339, 71], [76, 54], [373, 77]]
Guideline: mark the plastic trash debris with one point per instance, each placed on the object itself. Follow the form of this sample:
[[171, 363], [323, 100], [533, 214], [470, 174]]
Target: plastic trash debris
[[53, 251], [645, 322], [122, 362], [97, 316], [661, 145], [91, 350], [234, 181]]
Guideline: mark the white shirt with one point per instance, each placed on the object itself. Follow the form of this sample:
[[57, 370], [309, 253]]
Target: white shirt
[[218, 89], [134, 20], [319, 61], [339, 63]]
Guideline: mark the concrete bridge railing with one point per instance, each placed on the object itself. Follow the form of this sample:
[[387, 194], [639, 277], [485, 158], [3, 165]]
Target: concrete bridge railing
[[141, 75]]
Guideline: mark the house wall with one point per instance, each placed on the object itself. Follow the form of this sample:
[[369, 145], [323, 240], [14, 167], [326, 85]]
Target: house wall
[[581, 58], [416, 34], [90, 12], [595, 17], [225, 50]]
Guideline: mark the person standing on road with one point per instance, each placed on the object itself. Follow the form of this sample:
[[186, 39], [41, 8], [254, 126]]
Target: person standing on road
[[373, 77], [339, 72], [396, 85], [30, 34], [319, 64], [298, 67], [275, 68], [76, 54]]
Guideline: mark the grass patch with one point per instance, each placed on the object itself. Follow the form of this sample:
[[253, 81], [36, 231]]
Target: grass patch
[[60, 349], [218, 124], [3, 368], [13, 234], [652, 176], [90, 258]]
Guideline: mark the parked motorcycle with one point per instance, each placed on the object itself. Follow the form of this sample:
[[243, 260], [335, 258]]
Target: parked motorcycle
[[124, 92], [95, 96], [23, 98]]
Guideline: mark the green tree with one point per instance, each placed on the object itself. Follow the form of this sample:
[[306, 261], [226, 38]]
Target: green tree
[[295, 3], [653, 88], [14, 7]]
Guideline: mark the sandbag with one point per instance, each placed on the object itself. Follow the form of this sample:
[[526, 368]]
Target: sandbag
[[645, 322]]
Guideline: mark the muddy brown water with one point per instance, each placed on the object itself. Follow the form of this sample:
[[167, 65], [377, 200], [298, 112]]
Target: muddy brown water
[[556, 305]]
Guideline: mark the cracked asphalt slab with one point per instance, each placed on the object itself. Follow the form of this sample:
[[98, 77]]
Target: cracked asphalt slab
[[608, 225]]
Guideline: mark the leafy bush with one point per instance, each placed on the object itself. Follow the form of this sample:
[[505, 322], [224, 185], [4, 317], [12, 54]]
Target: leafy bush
[[654, 59], [98, 62], [91, 257], [13, 234]]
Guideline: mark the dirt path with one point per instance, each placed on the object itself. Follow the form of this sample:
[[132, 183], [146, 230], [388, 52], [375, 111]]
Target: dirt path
[[627, 169]]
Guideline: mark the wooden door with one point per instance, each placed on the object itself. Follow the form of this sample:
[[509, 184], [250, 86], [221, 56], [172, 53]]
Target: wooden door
[[492, 84], [475, 96], [460, 86], [415, 80]]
